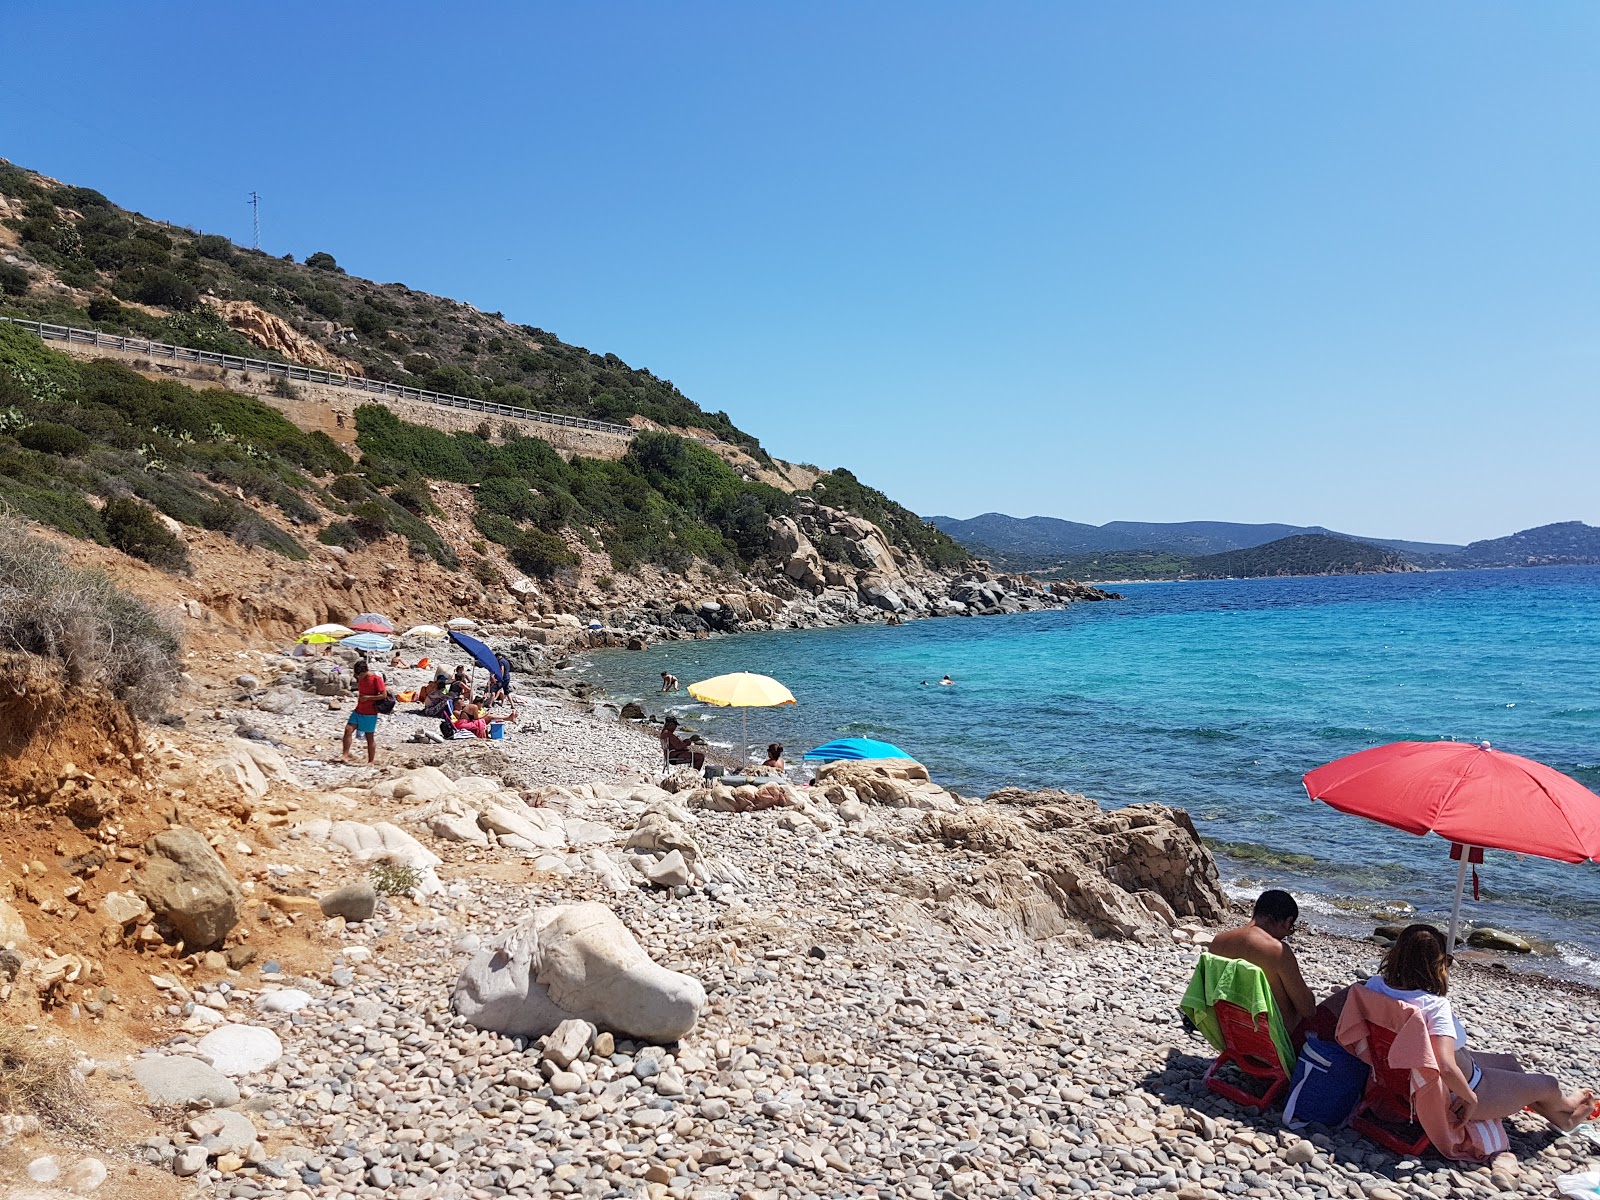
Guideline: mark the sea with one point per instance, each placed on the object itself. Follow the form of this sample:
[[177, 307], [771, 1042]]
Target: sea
[[1216, 696]]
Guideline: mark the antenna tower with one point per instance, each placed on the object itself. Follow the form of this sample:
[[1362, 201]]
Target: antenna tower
[[255, 220]]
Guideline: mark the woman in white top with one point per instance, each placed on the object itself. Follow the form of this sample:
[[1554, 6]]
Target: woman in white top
[[1487, 1087]]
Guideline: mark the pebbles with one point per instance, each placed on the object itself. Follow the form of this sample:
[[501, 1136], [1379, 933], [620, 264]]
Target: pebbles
[[861, 1036]]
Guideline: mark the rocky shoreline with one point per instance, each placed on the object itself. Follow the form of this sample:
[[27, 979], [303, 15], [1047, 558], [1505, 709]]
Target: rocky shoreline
[[897, 991]]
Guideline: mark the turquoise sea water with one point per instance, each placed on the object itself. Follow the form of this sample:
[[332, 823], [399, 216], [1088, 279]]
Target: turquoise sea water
[[1216, 696]]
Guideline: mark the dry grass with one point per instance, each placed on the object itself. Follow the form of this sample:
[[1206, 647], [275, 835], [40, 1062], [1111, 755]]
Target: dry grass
[[37, 1077], [83, 620]]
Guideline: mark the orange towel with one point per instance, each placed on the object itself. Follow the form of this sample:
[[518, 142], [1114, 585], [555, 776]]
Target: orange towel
[[1472, 1141]]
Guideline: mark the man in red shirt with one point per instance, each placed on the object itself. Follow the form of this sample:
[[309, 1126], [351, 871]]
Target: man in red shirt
[[370, 688]]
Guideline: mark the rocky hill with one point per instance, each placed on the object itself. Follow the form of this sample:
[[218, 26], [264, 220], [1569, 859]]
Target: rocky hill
[[671, 537], [1564, 542], [1041, 542], [1310, 554]]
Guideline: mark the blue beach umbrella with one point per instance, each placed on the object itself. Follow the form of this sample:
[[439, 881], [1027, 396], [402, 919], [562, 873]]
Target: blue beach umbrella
[[853, 748], [371, 642]]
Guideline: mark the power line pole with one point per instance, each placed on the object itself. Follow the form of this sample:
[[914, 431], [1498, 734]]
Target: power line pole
[[255, 220]]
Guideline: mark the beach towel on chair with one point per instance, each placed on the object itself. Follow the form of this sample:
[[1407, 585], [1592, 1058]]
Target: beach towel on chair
[[1411, 1051], [1238, 982]]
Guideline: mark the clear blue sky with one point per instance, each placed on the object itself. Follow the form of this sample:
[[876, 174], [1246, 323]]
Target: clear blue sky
[[1321, 263]]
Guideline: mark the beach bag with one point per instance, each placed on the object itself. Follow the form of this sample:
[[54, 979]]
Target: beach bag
[[384, 705], [1327, 1084], [446, 729]]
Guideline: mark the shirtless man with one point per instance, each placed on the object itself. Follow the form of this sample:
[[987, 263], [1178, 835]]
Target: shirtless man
[[1261, 942]]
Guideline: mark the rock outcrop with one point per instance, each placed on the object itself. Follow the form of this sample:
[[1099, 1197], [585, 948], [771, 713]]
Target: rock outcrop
[[576, 961], [893, 782], [188, 888], [1056, 859]]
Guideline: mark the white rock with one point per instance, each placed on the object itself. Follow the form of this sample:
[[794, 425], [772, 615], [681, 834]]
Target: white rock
[[668, 871], [576, 960], [44, 1169], [241, 1049], [501, 819], [283, 1000], [84, 1176], [123, 908], [568, 1042], [613, 876], [457, 827]]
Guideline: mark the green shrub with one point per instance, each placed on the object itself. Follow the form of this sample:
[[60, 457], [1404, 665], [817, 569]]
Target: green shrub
[[350, 488], [486, 573], [14, 280], [47, 437], [323, 261], [371, 520], [164, 289], [105, 308], [211, 245], [542, 555], [341, 533], [413, 496], [134, 529]]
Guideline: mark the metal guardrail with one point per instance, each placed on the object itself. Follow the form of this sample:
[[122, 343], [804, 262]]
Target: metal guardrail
[[93, 337]]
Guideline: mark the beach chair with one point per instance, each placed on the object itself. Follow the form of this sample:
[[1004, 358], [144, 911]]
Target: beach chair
[[1248, 1046], [1385, 1114]]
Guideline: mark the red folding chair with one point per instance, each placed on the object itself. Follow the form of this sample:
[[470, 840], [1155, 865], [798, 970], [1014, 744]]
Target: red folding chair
[[1385, 1114], [1247, 1044]]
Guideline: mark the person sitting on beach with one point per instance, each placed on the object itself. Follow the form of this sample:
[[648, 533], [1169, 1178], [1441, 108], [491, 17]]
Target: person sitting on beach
[[680, 750], [775, 761], [1487, 1087], [669, 682], [461, 687], [435, 696], [1261, 941], [470, 719]]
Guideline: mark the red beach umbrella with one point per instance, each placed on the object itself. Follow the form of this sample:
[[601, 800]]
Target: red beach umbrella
[[1472, 794], [372, 623]]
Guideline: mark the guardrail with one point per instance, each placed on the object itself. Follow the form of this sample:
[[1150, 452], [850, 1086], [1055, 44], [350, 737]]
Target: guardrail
[[110, 341]]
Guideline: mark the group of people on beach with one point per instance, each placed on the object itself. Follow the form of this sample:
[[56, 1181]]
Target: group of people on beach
[[1415, 969], [451, 699]]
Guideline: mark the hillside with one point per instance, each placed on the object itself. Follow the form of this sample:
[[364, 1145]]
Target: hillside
[[142, 456], [1302, 554], [1034, 542], [1547, 545], [81, 260]]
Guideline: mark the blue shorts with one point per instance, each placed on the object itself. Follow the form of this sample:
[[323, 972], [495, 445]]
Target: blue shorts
[[364, 722]]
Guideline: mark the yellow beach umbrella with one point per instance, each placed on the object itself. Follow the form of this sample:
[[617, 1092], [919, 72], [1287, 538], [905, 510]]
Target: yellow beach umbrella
[[319, 634], [742, 689]]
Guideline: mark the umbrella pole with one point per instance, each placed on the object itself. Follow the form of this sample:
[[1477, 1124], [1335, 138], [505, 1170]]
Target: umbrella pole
[[1461, 884], [744, 723]]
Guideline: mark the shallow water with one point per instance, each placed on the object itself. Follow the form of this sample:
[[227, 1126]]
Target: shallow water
[[1217, 696]]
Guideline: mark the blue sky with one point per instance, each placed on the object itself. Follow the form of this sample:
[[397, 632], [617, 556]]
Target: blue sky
[[1324, 263]]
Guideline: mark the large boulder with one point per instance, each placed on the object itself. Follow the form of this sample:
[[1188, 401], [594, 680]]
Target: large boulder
[[576, 961], [187, 887], [1056, 860], [895, 782]]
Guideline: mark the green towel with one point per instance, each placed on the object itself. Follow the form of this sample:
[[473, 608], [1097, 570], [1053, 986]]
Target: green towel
[[1238, 982]]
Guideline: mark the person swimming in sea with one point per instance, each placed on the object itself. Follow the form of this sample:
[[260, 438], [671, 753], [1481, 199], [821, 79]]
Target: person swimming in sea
[[947, 682]]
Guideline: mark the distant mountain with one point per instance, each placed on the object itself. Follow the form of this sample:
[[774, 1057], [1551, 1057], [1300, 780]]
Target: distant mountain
[[1546, 545], [1041, 538], [1300, 554]]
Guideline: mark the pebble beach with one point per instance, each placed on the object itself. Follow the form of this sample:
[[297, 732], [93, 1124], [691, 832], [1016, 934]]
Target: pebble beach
[[862, 1035]]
